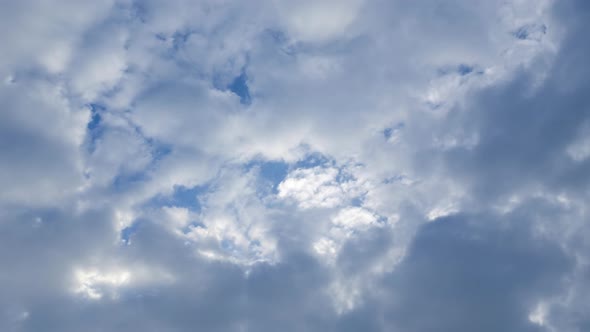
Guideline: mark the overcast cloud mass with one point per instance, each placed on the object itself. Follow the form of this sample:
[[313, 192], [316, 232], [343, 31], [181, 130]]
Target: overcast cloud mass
[[310, 165]]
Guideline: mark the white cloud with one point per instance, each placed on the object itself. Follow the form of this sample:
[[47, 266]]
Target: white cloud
[[314, 187], [319, 20], [91, 283], [354, 218]]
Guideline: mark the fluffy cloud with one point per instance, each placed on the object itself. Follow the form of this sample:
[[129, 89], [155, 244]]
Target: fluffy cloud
[[314, 165]]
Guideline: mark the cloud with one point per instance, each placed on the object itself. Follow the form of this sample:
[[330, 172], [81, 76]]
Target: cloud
[[317, 21], [463, 273], [315, 187], [315, 165], [40, 137]]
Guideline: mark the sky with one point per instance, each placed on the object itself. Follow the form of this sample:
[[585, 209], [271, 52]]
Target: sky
[[310, 165]]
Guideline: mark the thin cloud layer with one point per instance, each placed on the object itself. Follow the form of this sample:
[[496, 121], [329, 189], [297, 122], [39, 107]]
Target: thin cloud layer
[[357, 165]]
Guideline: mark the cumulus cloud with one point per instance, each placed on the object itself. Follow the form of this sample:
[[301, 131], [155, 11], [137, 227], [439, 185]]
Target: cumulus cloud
[[298, 166]]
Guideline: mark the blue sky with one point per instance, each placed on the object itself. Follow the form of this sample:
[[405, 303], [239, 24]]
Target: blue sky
[[270, 165]]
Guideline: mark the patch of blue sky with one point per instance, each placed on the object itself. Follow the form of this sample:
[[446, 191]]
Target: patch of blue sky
[[313, 159], [94, 128], [389, 132], [271, 173], [185, 197], [95, 118], [464, 69], [528, 31], [239, 86], [158, 150], [274, 171], [357, 201], [128, 231]]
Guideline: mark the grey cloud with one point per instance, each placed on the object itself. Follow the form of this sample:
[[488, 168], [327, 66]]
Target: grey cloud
[[523, 135], [466, 273], [40, 135]]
